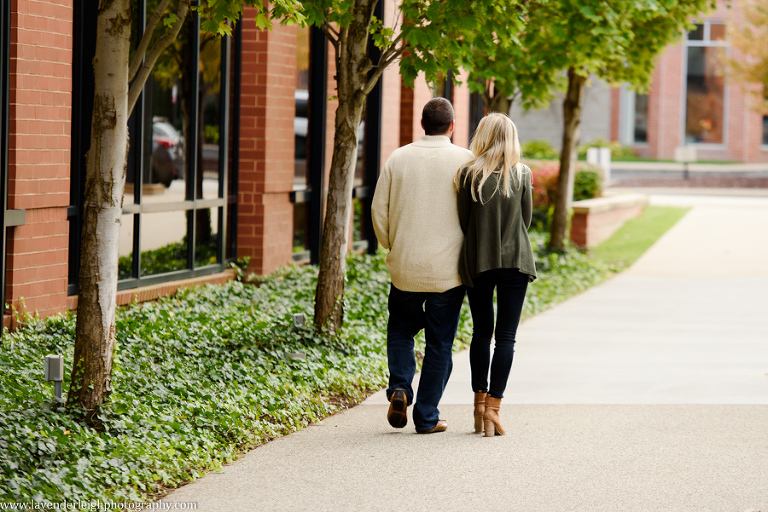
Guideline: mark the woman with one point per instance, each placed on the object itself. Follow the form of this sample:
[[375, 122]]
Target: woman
[[494, 202]]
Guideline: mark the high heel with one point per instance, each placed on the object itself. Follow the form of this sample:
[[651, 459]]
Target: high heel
[[491, 417], [479, 411]]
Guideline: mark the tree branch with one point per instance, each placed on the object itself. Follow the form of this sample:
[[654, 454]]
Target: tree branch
[[392, 48], [330, 33], [144, 43], [383, 64], [160, 45]]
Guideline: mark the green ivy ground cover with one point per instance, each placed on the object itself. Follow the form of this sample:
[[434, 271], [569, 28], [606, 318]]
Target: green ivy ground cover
[[203, 376]]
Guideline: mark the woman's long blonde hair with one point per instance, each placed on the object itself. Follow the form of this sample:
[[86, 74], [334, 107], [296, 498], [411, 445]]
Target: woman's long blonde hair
[[497, 150]]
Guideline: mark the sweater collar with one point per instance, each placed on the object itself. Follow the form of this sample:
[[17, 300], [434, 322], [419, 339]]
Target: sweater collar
[[433, 141]]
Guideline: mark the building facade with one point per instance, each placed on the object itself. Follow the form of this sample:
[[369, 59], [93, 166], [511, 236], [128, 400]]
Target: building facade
[[230, 146], [691, 102]]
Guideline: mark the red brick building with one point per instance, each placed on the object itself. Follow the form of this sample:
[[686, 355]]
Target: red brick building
[[230, 146], [692, 102]]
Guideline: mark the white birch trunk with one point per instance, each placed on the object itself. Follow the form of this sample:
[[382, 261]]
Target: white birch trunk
[[102, 210]]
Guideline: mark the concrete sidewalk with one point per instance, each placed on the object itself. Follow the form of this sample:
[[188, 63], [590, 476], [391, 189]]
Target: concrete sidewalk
[[646, 393]]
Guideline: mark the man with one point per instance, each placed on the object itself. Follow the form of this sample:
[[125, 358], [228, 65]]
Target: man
[[415, 216]]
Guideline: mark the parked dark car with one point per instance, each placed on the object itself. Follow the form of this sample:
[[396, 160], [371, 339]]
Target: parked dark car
[[167, 152]]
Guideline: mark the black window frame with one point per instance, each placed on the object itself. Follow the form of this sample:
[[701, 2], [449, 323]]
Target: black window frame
[[5, 72], [9, 218], [225, 203]]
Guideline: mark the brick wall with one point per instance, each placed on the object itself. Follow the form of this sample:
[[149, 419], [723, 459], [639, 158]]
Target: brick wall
[[666, 108], [390, 113], [268, 81], [615, 113], [407, 114], [461, 111], [39, 153]]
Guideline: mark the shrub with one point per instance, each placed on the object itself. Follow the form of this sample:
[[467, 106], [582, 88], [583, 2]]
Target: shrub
[[539, 150], [544, 180], [588, 183], [617, 150]]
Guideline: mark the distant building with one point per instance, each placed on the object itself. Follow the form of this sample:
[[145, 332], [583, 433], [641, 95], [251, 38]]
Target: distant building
[[690, 102]]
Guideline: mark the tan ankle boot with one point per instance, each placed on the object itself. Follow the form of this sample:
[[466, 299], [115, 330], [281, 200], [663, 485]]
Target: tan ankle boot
[[479, 411], [491, 417]]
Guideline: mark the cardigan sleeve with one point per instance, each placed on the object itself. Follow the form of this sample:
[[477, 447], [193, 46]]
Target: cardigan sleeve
[[527, 199]]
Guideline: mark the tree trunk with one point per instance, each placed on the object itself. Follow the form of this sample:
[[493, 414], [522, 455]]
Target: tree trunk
[[499, 103], [102, 210], [352, 67], [571, 124]]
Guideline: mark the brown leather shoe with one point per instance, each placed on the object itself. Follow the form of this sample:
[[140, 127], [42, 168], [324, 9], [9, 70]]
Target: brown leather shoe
[[397, 416], [441, 426]]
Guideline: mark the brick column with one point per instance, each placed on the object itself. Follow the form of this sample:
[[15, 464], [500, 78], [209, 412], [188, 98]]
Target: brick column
[[39, 154], [268, 82], [461, 98], [615, 113]]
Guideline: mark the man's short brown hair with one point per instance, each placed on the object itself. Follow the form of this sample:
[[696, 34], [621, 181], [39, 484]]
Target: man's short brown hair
[[437, 116]]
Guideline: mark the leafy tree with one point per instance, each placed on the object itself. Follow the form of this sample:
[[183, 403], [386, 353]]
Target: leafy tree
[[615, 41], [432, 39], [506, 60], [749, 39], [118, 80]]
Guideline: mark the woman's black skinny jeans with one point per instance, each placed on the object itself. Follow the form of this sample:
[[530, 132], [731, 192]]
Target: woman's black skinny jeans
[[510, 286]]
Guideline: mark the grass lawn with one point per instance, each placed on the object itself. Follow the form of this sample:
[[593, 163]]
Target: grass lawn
[[637, 235]]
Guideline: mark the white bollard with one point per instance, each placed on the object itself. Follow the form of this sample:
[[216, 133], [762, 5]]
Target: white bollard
[[601, 157]]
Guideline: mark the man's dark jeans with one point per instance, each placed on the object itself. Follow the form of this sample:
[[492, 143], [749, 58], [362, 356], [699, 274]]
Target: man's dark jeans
[[438, 315], [510, 285]]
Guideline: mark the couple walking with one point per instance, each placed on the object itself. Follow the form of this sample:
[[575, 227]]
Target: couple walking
[[455, 222]]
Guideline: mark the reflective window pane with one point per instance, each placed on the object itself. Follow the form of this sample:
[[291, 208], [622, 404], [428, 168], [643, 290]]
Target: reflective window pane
[[641, 118], [717, 32], [705, 89], [697, 34], [765, 130], [300, 227], [206, 236], [357, 220], [301, 119], [361, 145], [209, 118], [163, 242]]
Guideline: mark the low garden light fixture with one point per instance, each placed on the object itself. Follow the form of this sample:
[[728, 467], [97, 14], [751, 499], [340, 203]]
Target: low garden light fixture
[[54, 371], [299, 320]]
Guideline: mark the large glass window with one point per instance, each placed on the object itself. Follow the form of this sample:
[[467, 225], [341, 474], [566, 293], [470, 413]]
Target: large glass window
[[705, 84], [634, 117], [300, 130], [176, 197], [640, 124], [765, 130], [5, 29]]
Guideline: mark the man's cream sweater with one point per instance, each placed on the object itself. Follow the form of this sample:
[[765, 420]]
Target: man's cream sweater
[[415, 214]]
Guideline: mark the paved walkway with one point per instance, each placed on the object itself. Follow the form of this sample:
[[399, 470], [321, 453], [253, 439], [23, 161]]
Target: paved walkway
[[646, 393]]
